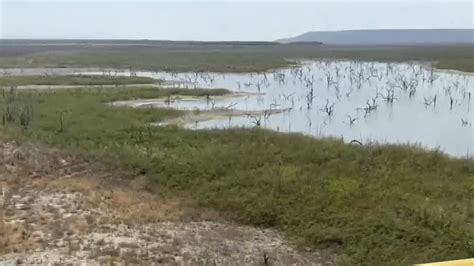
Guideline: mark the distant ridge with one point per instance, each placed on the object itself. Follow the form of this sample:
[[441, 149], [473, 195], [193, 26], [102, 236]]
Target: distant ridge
[[125, 42], [386, 37]]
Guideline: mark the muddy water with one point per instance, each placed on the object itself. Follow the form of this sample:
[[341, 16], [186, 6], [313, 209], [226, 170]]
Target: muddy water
[[376, 102]]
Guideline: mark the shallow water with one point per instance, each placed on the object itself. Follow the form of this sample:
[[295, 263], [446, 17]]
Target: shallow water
[[432, 109]]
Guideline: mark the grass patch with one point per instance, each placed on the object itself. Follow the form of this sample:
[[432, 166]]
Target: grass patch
[[376, 205], [216, 61], [182, 56], [464, 64], [73, 80]]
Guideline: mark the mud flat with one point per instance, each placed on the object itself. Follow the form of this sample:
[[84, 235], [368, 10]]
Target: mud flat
[[182, 101], [190, 119], [199, 109]]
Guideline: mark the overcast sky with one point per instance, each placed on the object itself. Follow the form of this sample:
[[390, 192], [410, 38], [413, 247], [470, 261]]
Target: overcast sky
[[220, 20]]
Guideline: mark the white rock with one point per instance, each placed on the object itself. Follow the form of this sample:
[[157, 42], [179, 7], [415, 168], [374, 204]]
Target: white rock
[[98, 237], [37, 235], [60, 243], [120, 241]]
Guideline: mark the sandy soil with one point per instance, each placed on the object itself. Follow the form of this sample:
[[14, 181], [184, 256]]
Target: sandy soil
[[58, 209], [195, 115], [163, 102]]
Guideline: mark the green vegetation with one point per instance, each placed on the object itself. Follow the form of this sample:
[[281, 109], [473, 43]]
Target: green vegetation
[[222, 57], [463, 64], [227, 61], [73, 80], [373, 205]]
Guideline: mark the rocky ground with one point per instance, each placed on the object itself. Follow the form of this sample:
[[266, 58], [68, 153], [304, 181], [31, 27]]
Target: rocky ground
[[55, 210]]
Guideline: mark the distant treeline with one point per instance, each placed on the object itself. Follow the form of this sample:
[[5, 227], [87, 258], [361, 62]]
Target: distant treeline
[[65, 42], [127, 42]]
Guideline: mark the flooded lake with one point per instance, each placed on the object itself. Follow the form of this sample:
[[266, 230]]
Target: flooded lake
[[368, 102]]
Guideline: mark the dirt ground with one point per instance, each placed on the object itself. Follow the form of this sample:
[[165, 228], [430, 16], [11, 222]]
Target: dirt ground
[[57, 209]]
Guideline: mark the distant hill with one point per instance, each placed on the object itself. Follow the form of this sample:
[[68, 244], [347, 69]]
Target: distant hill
[[105, 42], [384, 37]]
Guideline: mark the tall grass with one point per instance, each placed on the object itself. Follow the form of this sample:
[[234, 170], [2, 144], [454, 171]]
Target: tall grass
[[73, 80]]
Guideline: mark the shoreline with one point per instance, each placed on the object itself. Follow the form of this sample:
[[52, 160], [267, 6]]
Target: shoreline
[[292, 62]]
